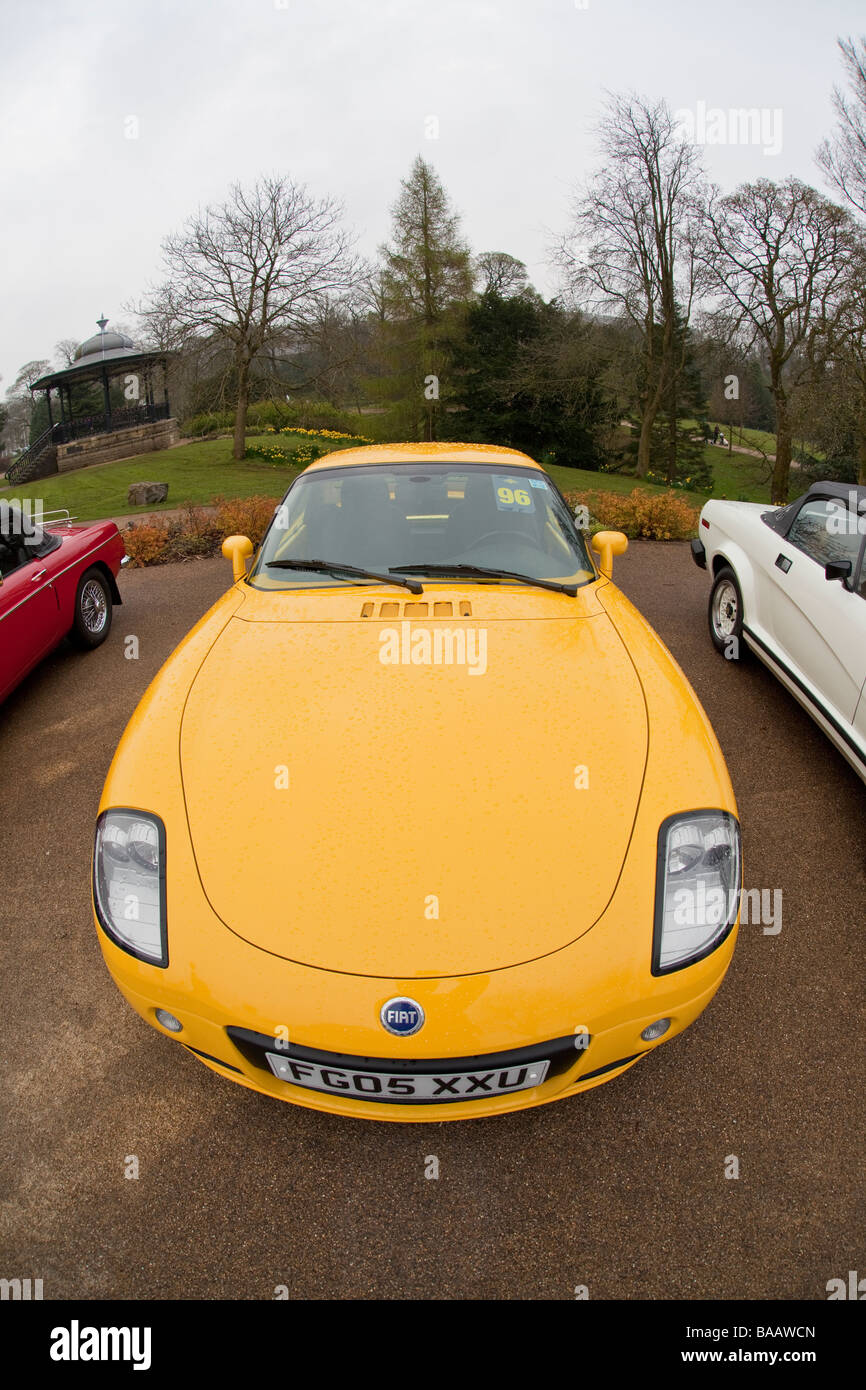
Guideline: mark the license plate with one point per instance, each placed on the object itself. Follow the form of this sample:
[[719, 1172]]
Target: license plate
[[402, 1087]]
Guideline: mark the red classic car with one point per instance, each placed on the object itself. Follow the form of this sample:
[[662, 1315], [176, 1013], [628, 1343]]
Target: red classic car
[[56, 580]]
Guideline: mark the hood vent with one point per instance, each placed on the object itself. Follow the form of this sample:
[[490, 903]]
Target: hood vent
[[441, 609]]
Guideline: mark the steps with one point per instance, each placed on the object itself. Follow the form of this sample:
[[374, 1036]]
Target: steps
[[37, 461]]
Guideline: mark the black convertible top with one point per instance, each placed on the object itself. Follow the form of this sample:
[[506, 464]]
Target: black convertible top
[[840, 490], [780, 518]]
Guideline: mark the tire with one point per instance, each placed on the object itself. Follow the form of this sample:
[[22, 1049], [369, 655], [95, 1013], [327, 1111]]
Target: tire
[[725, 615], [92, 622]]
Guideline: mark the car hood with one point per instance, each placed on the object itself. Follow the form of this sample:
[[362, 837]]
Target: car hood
[[754, 509], [413, 820]]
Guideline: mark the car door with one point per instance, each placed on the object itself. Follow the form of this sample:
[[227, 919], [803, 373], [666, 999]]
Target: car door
[[820, 624], [29, 614], [762, 545], [860, 590]]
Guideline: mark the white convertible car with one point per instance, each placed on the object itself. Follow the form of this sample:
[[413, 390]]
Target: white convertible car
[[790, 583]]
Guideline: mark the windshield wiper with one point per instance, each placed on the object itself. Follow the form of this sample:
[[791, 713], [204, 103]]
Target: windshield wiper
[[477, 572], [335, 567]]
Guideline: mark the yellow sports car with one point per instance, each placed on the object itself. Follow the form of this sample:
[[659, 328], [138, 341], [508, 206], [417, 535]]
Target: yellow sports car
[[421, 821]]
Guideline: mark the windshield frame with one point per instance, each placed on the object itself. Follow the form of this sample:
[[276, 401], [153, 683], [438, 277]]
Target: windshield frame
[[581, 537]]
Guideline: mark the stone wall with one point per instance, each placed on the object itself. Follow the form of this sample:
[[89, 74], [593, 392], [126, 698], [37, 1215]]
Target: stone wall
[[121, 444]]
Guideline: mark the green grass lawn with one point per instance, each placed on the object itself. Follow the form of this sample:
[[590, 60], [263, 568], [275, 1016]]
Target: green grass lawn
[[195, 472], [738, 477], [752, 439], [747, 438], [199, 471], [582, 480]]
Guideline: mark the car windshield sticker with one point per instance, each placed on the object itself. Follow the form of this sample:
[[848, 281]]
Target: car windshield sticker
[[511, 494], [538, 482]]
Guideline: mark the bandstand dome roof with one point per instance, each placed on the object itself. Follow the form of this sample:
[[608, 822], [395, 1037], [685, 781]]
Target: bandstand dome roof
[[99, 355], [103, 344]]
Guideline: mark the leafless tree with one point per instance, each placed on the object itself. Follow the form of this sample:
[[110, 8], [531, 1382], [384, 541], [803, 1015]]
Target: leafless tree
[[843, 156], [326, 352], [499, 273], [373, 297], [249, 272], [65, 351], [847, 349], [19, 403], [162, 327], [631, 248], [778, 256]]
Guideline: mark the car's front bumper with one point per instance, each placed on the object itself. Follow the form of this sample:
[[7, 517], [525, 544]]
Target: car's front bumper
[[232, 1040]]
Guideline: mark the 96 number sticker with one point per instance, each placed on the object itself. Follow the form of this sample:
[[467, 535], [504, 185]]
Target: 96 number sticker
[[511, 495]]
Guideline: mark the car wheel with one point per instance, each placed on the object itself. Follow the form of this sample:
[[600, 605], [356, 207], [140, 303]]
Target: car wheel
[[92, 621], [726, 615]]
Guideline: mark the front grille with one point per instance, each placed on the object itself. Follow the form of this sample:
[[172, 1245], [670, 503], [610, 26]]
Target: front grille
[[560, 1052]]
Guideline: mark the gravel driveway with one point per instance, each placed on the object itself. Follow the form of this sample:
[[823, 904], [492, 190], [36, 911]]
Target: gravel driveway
[[622, 1189]]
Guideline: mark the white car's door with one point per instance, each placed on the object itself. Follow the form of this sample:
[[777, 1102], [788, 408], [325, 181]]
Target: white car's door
[[762, 612], [860, 711], [820, 624]]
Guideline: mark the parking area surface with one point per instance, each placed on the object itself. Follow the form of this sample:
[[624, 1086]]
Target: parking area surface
[[622, 1189]]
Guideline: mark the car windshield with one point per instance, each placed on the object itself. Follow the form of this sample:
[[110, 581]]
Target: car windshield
[[21, 534], [405, 516]]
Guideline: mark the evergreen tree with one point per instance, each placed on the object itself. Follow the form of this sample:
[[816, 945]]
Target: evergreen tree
[[531, 376], [678, 448], [486, 359], [426, 277]]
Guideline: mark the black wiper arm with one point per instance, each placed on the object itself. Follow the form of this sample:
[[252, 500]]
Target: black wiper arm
[[477, 572], [335, 567]]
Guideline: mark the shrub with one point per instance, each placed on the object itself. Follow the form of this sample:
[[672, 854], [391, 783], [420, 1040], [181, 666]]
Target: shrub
[[311, 446], [244, 516], [146, 543], [393, 425], [194, 533], [198, 533], [308, 414], [213, 422], [319, 415], [652, 516], [266, 416]]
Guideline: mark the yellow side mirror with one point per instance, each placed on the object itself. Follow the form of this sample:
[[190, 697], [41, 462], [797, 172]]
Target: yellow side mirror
[[238, 549], [607, 544]]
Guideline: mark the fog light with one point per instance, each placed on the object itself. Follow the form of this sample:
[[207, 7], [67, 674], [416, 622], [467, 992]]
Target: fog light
[[656, 1030], [169, 1021]]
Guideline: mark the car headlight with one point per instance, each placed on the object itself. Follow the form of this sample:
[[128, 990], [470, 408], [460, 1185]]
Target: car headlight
[[129, 882], [697, 887]]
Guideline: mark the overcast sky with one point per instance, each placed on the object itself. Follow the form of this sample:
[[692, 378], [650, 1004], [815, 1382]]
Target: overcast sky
[[118, 118]]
